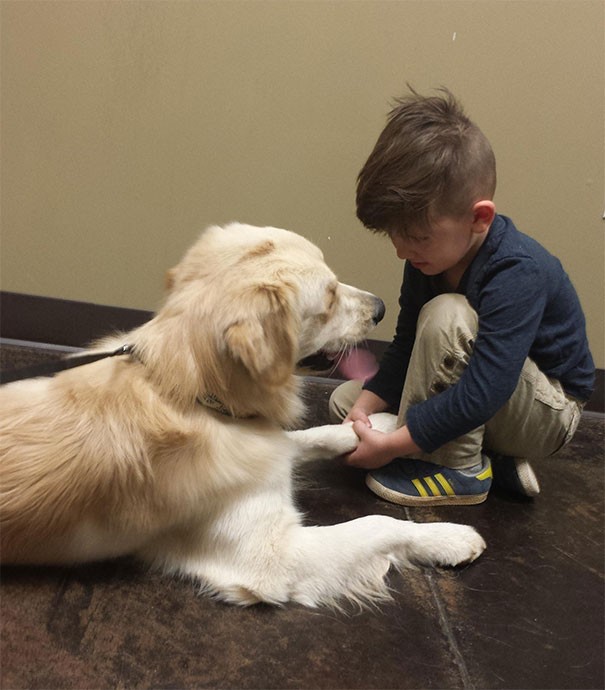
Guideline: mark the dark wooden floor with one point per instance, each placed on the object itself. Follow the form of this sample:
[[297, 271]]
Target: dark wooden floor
[[528, 614]]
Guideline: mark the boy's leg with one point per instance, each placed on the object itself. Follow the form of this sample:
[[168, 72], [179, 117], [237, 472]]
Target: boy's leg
[[342, 400], [446, 329], [538, 419], [456, 473]]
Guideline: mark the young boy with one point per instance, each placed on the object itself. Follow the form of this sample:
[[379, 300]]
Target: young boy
[[490, 364]]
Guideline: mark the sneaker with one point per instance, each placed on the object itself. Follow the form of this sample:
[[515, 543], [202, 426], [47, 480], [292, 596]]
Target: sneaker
[[411, 482], [515, 475]]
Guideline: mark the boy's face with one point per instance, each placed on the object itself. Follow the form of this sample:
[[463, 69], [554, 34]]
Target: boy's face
[[449, 244]]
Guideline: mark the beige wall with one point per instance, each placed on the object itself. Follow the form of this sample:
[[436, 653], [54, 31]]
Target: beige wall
[[129, 126]]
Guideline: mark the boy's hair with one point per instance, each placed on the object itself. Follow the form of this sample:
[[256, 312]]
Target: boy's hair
[[430, 160]]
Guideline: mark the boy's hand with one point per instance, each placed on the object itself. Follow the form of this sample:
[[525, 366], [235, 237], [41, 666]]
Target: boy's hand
[[375, 448], [358, 416], [366, 404]]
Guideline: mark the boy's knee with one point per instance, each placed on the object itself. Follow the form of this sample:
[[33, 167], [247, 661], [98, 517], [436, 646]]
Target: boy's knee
[[447, 313]]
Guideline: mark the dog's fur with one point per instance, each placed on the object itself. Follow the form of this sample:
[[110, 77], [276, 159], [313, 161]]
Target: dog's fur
[[121, 457]]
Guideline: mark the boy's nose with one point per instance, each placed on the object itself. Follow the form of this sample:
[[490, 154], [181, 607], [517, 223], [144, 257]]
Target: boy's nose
[[401, 247], [403, 252]]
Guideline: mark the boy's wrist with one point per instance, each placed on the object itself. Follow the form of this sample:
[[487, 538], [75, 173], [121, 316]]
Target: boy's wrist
[[403, 444]]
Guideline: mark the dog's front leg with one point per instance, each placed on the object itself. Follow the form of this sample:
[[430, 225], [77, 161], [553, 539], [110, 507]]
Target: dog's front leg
[[350, 559], [332, 440]]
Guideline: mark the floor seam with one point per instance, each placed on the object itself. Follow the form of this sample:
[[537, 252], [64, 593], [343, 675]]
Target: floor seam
[[446, 628]]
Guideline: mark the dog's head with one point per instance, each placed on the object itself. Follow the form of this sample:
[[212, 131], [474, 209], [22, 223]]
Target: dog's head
[[258, 301]]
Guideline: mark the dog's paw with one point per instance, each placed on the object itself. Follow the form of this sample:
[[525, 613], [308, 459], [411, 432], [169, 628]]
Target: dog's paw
[[448, 544], [339, 439], [324, 442], [384, 421]]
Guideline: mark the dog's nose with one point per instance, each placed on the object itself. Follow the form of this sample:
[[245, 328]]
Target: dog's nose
[[379, 310]]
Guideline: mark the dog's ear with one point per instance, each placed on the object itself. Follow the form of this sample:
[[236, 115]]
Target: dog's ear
[[265, 338], [169, 279]]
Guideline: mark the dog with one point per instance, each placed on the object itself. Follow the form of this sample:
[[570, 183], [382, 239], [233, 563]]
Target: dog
[[182, 452]]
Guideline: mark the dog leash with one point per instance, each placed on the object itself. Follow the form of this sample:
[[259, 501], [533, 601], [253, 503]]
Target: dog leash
[[55, 366]]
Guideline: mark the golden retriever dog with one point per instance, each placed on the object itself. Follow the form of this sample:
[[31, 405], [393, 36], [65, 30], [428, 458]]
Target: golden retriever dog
[[178, 452]]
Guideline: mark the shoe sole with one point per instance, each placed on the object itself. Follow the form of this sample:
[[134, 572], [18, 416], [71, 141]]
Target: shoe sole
[[404, 500]]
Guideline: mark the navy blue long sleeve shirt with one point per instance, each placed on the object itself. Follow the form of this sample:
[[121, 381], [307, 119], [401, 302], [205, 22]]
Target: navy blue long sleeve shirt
[[527, 307]]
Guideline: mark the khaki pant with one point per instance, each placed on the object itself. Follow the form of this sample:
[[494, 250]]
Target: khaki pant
[[536, 422]]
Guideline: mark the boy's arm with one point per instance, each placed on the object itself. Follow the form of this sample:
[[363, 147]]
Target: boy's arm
[[510, 304]]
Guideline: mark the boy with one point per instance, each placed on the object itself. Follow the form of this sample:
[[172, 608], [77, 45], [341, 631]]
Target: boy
[[490, 360]]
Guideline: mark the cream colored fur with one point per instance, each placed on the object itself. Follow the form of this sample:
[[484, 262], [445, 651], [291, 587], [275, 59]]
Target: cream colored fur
[[118, 457]]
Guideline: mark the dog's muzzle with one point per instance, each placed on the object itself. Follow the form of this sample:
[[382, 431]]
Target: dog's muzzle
[[379, 310]]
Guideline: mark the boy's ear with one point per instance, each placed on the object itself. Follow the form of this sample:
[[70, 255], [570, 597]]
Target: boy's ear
[[484, 212]]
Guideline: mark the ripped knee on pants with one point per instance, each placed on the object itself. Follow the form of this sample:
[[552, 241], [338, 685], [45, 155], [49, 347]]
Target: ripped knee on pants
[[449, 371]]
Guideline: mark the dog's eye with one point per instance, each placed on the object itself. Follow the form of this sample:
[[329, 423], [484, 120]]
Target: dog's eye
[[322, 305], [331, 297]]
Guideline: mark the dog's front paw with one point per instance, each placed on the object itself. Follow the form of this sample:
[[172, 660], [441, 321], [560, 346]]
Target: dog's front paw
[[338, 439], [324, 442], [448, 544]]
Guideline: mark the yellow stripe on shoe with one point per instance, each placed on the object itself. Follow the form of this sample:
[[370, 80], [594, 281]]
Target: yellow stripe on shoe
[[447, 487], [419, 487], [487, 472], [432, 486]]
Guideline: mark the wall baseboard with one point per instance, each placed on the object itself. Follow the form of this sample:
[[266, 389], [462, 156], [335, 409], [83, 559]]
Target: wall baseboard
[[53, 321], [63, 322]]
